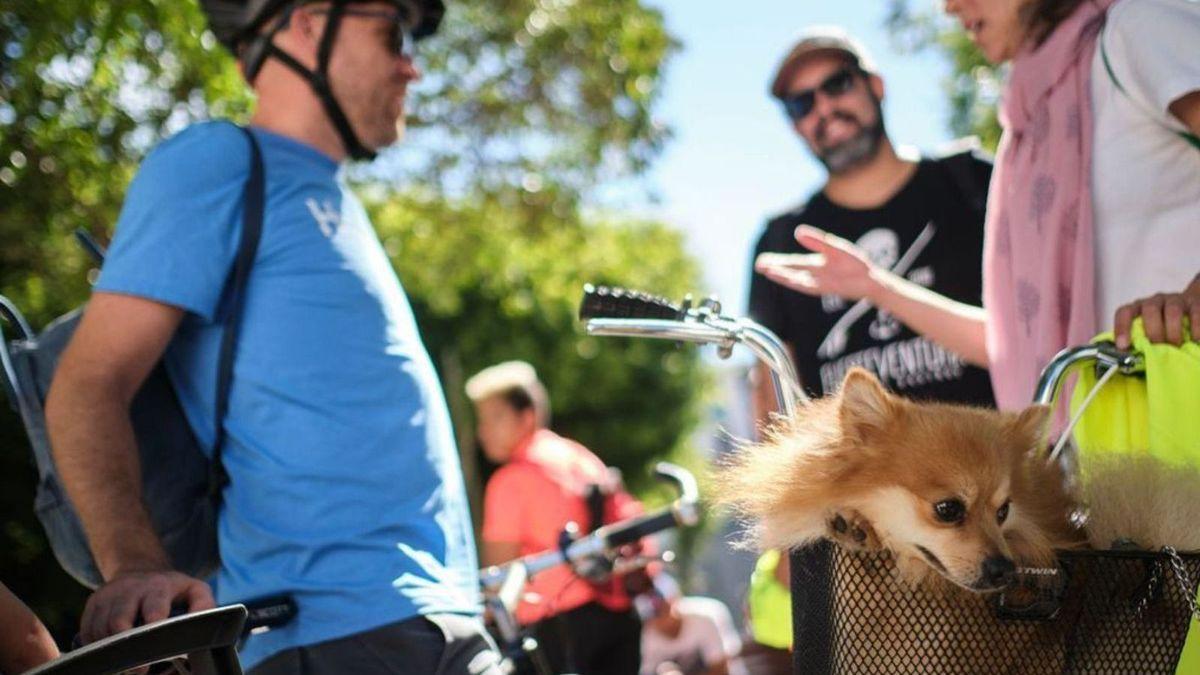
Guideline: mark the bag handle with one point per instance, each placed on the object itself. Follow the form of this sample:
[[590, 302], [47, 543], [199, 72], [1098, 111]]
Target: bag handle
[[252, 221]]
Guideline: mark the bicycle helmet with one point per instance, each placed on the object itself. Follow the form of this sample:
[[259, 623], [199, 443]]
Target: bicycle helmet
[[241, 25]]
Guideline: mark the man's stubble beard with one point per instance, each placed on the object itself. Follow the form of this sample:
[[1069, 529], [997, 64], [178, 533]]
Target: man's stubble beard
[[858, 149]]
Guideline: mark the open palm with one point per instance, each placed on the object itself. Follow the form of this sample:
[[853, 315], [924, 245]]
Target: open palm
[[836, 266]]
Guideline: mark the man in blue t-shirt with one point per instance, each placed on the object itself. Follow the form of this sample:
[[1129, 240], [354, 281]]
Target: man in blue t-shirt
[[344, 490]]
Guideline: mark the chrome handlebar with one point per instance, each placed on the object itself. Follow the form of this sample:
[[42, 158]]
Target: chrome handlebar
[[615, 312]]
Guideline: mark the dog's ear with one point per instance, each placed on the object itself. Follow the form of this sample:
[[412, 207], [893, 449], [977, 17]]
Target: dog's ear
[[1033, 424], [865, 406]]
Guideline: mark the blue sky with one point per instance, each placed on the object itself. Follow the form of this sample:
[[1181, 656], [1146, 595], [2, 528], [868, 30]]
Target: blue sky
[[734, 159]]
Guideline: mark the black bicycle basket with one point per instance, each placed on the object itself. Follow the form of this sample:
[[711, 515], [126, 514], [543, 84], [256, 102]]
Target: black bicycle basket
[[1098, 612]]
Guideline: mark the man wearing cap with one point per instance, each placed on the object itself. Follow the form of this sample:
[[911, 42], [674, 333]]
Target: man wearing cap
[[344, 488], [920, 218], [544, 482]]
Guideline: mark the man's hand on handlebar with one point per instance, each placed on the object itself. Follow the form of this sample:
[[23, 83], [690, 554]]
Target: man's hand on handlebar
[[140, 597]]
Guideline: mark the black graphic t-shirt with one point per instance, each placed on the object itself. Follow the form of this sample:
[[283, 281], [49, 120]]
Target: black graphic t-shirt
[[930, 232]]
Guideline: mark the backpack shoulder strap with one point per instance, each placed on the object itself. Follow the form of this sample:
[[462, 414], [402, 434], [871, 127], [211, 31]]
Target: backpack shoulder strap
[[252, 221]]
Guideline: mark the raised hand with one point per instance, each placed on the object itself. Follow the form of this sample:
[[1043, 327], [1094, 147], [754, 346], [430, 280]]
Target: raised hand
[[836, 266]]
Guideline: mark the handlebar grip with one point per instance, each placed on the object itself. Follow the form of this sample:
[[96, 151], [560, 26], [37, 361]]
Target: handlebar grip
[[603, 302], [270, 612], [641, 527]]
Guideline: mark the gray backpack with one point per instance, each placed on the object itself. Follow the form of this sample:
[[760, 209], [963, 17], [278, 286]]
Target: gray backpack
[[181, 487]]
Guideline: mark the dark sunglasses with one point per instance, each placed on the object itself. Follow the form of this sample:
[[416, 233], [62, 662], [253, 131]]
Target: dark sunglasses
[[801, 103], [399, 38]]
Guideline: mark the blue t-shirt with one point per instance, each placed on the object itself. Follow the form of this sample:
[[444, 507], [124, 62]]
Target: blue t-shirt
[[345, 486]]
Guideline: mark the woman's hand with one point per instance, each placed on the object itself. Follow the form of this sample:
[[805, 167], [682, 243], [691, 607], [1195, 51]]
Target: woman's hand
[[1162, 316], [836, 267]]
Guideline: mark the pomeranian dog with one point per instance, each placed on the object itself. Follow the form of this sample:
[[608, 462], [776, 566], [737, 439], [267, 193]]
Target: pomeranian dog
[[952, 492], [963, 498]]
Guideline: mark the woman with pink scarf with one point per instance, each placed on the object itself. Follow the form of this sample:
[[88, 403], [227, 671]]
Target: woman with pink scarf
[[1094, 208]]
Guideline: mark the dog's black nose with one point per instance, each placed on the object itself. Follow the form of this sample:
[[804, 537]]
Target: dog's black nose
[[998, 571]]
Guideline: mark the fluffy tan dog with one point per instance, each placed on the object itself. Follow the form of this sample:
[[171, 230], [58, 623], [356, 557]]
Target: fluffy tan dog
[[964, 495], [962, 492]]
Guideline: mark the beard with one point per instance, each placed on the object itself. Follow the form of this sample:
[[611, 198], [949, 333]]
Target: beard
[[856, 150]]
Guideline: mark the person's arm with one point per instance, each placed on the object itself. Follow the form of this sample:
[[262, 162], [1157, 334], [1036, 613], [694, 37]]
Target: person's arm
[[838, 267], [118, 341], [24, 641], [1186, 109]]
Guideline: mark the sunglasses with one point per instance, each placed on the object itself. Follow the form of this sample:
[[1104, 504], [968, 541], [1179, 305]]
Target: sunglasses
[[801, 103], [399, 38]]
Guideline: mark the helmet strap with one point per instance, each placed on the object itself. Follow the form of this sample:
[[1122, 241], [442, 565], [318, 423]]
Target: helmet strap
[[258, 51]]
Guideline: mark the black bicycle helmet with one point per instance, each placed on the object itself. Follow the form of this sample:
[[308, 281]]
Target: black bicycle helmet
[[240, 25]]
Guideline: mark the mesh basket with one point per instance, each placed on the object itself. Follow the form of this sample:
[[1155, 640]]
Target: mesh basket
[[1099, 612]]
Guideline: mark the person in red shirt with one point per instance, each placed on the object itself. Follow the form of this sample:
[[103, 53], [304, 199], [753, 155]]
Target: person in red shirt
[[544, 482]]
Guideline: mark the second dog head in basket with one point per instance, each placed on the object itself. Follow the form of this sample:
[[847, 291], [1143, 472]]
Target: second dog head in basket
[[953, 492]]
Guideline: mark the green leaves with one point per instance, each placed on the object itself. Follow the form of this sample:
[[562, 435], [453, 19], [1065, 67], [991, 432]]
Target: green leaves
[[86, 88], [490, 283], [564, 88], [973, 85]]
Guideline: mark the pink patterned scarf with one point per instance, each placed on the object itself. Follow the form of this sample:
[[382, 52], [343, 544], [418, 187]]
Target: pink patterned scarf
[[1038, 279]]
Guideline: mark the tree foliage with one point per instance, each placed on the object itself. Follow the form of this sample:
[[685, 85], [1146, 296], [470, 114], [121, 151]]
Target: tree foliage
[[973, 86], [85, 89], [489, 284], [533, 92], [526, 105]]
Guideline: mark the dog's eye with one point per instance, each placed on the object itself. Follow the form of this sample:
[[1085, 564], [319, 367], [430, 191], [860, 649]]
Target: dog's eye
[[950, 511], [1002, 512]]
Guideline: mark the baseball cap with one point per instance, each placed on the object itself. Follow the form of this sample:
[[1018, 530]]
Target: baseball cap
[[819, 39]]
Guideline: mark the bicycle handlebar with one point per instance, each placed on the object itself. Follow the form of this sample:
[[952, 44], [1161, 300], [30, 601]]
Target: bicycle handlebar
[[641, 527], [606, 540], [625, 313], [619, 303]]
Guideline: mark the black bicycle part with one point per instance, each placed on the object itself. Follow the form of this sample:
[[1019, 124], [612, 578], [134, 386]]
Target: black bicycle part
[[603, 302], [641, 527]]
